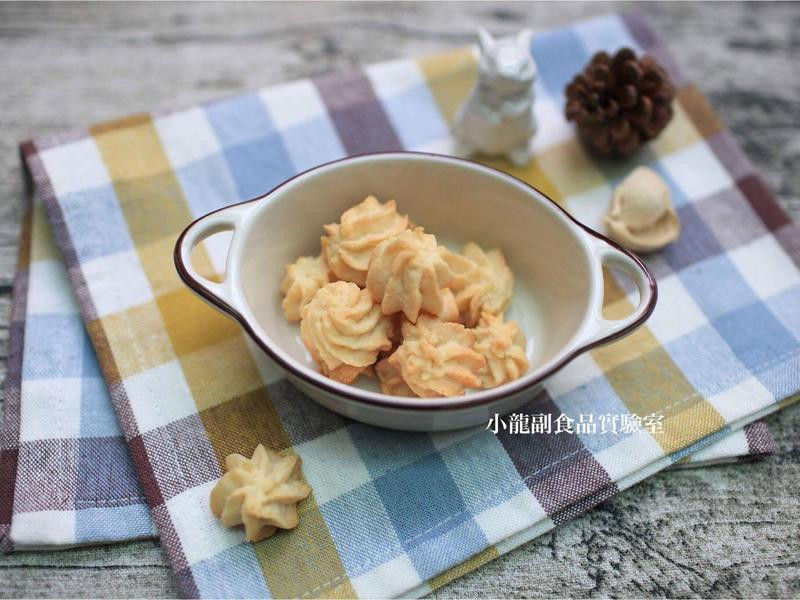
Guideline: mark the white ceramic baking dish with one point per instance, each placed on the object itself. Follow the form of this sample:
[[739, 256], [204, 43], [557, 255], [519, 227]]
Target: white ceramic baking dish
[[557, 263]]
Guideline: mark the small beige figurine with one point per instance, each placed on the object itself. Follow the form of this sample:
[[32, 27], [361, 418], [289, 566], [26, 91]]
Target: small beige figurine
[[641, 216], [497, 118]]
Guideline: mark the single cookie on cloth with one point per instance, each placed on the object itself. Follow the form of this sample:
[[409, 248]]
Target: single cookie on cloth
[[260, 493], [344, 330], [438, 358], [503, 347], [482, 282], [349, 243], [303, 278], [408, 274], [641, 216]]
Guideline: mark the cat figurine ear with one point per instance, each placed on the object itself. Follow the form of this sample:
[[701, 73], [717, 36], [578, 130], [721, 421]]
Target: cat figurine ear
[[524, 38], [486, 41], [524, 41]]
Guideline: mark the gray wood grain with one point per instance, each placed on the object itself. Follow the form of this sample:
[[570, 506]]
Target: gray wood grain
[[713, 532]]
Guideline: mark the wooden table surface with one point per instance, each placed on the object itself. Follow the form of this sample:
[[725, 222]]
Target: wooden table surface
[[720, 531]]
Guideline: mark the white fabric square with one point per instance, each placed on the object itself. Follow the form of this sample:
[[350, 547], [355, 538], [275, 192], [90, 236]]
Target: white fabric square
[[159, 396], [49, 291], [579, 371], [629, 455], [187, 136], [551, 126], [676, 313], [697, 171], [446, 145], [217, 247], [536, 529], [51, 410], [293, 103], [389, 580], [765, 266], [117, 282], [394, 77], [731, 445], [75, 166], [42, 529], [590, 206], [332, 465], [513, 515], [741, 400], [191, 515]]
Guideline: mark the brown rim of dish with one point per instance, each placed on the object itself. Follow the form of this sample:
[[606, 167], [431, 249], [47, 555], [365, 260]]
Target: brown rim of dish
[[199, 289]]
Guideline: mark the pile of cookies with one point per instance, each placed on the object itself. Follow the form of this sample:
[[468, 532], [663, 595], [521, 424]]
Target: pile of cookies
[[385, 299]]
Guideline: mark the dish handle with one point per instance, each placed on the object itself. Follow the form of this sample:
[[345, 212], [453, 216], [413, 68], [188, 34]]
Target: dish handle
[[609, 254], [226, 219]]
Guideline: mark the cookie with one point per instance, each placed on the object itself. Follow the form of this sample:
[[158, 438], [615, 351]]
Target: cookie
[[349, 243], [344, 330]]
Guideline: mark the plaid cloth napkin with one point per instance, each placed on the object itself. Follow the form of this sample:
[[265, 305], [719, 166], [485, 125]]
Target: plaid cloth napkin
[[67, 477], [396, 513]]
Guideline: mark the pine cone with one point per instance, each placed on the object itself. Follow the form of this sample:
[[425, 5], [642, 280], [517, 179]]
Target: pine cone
[[619, 102]]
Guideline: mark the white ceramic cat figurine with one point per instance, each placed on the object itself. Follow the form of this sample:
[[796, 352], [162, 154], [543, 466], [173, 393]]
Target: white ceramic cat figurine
[[497, 118]]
